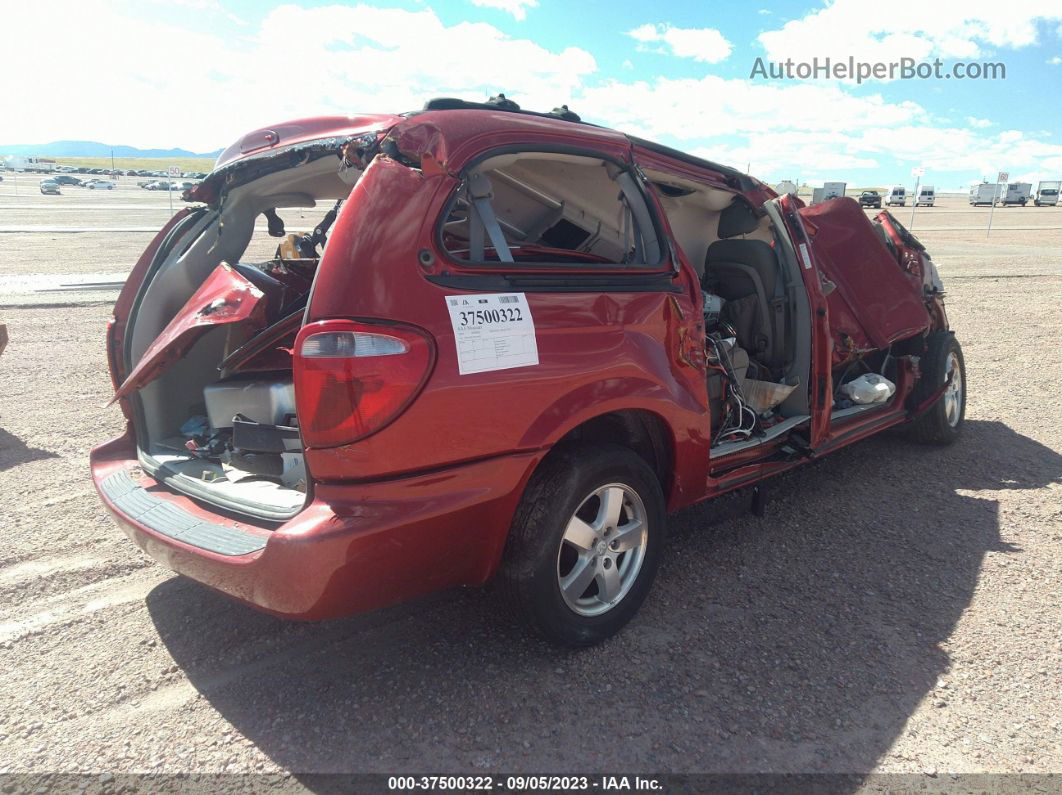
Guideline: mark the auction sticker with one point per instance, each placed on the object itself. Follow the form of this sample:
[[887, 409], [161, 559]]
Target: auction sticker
[[492, 332]]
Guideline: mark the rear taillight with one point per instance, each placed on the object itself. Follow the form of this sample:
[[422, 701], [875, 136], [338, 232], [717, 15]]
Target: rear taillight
[[351, 378]]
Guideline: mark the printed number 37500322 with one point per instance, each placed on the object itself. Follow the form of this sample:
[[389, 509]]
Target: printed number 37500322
[[479, 317]]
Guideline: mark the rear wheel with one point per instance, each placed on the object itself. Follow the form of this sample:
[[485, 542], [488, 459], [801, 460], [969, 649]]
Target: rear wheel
[[941, 364], [585, 543]]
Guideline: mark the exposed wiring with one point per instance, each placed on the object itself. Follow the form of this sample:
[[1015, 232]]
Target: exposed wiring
[[885, 361], [737, 412], [844, 376]]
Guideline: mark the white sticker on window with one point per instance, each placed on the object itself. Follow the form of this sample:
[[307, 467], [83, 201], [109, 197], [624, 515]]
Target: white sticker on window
[[805, 256], [492, 332]]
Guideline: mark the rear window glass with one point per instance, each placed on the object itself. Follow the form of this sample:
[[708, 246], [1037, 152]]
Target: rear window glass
[[542, 208]]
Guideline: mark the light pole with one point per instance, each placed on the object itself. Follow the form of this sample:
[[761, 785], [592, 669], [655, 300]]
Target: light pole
[[918, 172], [1002, 176]]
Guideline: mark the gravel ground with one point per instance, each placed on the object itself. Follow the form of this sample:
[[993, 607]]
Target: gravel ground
[[897, 610]]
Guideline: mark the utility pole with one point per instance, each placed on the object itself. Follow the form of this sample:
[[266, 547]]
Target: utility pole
[[112, 163]]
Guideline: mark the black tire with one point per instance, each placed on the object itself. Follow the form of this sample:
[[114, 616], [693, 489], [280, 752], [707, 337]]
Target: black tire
[[535, 551], [942, 422]]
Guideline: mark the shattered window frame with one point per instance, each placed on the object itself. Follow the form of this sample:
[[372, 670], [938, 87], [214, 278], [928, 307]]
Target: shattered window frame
[[661, 265]]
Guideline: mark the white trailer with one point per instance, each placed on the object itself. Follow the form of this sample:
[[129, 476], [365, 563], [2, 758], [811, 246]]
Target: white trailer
[[29, 164], [1016, 193], [897, 196], [985, 193], [1047, 194], [926, 196]]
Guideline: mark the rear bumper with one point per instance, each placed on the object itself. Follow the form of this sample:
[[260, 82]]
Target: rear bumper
[[356, 547]]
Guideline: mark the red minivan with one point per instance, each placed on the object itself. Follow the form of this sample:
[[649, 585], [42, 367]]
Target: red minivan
[[384, 355]]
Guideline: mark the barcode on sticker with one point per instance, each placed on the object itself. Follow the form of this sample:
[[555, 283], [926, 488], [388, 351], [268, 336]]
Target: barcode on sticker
[[508, 299]]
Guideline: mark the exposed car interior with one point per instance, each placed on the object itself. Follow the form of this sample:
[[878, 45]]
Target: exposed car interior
[[536, 208], [539, 207], [756, 311], [219, 422]]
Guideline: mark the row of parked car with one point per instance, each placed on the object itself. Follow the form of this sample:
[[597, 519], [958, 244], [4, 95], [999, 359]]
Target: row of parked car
[[161, 184], [52, 184], [125, 173]]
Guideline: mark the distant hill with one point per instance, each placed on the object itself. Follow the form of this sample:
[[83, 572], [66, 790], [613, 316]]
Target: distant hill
[[94, 149]]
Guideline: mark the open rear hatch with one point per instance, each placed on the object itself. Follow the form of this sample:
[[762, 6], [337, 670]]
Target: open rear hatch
[[201, 345]]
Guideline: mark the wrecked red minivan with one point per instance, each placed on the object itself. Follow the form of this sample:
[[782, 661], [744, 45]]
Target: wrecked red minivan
[[385, 355]]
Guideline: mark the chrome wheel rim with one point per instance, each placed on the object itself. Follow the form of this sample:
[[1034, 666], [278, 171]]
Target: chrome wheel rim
[[953, 394], [602, 549]]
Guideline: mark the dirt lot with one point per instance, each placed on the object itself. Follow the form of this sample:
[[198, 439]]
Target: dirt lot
[[897, 610]]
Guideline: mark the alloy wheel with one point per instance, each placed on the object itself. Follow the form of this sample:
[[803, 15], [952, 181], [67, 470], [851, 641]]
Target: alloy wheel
[[602, 549]]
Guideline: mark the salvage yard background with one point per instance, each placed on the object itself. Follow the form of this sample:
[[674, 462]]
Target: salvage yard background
[[896, 610]]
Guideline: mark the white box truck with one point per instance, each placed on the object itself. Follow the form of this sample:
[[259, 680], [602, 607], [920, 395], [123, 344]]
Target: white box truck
[[897, 196], [1016, 193], [925, 197], [985, 193], [1047, 194]]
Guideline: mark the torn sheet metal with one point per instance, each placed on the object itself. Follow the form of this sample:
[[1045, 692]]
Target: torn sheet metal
[[224, 298]]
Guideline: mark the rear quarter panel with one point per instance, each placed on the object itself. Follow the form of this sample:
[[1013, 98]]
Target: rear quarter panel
[[598, 352]]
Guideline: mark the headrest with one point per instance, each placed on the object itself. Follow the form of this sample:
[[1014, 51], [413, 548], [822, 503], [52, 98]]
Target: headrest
[[737, 219], [747, 252]]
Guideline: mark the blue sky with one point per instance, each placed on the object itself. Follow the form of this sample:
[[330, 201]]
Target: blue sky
[[198, 73]]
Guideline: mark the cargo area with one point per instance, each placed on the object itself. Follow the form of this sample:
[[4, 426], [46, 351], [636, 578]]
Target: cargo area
[[209, 341]]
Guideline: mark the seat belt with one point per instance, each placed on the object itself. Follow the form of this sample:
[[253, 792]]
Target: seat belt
[[482, 219], [778, 310]]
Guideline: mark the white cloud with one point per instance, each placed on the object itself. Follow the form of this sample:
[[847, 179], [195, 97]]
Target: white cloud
[[782, 125], [707, 45], [204, 6], [690, 109], [1055, 61], [782, 130], [363, 59], [958, 149], [518, 8], [949, 29], [366, 59], [799, 155], [834, 154]]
